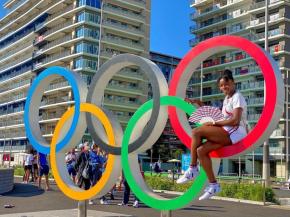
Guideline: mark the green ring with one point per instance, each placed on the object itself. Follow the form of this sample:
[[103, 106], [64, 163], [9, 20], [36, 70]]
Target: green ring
[[152, 202]]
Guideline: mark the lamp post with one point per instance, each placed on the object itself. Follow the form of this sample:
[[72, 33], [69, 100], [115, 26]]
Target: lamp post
[[266, 160]]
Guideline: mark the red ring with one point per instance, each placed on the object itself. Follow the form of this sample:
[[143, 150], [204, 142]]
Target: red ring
[[271, 96]]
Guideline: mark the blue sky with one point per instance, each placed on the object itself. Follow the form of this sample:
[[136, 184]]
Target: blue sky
[[169, 26]]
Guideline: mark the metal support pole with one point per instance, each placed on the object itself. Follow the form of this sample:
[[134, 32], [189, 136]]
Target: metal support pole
[[82, 208], [201, 80], [287, 129], [100, 34], [266, 149], [167, 213], [253, 170]]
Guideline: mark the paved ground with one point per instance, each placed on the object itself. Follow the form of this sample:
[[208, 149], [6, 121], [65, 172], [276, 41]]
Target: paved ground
[[27, 199]]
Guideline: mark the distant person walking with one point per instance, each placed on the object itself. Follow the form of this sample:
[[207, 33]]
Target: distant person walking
[[43, 170]]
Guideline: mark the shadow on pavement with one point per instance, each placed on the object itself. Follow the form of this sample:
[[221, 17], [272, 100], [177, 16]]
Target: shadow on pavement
[[24, 190]]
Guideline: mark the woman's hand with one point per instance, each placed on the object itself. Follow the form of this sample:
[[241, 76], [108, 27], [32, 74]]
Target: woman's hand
[[194, 101], [208, 124]]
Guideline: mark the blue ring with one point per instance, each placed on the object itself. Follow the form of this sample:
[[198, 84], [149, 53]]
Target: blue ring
[[48, 72]]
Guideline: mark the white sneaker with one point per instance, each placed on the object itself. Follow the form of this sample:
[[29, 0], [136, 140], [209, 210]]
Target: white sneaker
[[210, 191], [136, 204], [189, 175], [104, 202], [91, 202]]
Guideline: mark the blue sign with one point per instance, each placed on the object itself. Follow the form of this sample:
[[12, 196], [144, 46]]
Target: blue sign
[[185, 161]]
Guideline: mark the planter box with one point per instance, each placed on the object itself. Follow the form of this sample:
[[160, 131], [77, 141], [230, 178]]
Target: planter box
[[6, 180]]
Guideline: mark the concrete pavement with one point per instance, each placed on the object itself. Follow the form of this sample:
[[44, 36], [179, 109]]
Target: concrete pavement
[[28, 199]]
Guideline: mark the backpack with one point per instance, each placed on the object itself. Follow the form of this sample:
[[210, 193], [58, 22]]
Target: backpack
[[86, 170]]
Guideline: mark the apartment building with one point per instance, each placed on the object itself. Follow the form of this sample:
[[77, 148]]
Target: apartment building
[[77, 34], [245, 18]]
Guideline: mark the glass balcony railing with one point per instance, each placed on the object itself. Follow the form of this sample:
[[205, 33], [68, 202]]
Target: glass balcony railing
[[272, 18], [213, 8], [14, 74], [11, 111], [271, 33], [217, 20], [11, 123], [125, 88], [19, 48], [10, 99], [12, 135], [15, 85], [127, 28], [19, 60], [262, 4], [255, 101], [126, 42], [49, 116], [122, 102], [51, 59], [53, 44], [16, 39], [59, 99], [130, 14], [60, 12], [57, 27]]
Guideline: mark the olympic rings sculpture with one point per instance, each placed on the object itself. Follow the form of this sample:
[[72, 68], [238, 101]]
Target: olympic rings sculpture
[[150, 119]]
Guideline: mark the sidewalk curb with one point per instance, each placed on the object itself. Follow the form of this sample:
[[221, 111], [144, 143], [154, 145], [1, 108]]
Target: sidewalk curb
[[220, 198]]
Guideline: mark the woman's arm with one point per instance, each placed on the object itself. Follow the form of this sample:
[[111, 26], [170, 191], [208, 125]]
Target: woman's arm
[[194, 101], [234, 121]]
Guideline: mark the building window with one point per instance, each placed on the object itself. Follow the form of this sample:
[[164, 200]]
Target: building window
[[84, 63], [92, 3], [87, 32], [85, 47]]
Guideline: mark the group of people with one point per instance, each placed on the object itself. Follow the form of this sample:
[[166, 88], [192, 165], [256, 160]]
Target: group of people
[[36, 165], [86, 169]]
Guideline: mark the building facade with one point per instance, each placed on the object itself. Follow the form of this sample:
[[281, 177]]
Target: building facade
[[77, 34], [245, 18], [168, 146]]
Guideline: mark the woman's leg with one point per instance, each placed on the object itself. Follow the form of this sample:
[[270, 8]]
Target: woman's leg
[[216, 138], [203, 156]]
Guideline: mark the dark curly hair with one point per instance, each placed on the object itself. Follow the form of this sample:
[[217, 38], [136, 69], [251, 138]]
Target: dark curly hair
[[227, 75]]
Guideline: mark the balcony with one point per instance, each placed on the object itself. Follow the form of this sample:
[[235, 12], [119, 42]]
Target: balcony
[[125, 88], [11, 111], [8, 123], [57, 27], [14, 63], [130, 74], [217, 21], [195, 3], [13, 135], [125, 28], [51, 101], [261, 5], [126, 42], [261, 21], [60, 12], [123, 103], [278, 133], [126, 13], [255, 101], [19, 49], [12, 99], [15, 74], [51, 58], [210, 10], [15, 86], [237, 74], [271, 34], [52, 44], [139, 3]]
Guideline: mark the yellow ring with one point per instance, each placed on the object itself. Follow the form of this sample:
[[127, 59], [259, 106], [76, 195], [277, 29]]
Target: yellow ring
[[82, 194]]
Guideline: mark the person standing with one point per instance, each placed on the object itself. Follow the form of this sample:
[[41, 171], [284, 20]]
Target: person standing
[[28, 166], [43, 170], [82, 168], [70, 160]]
